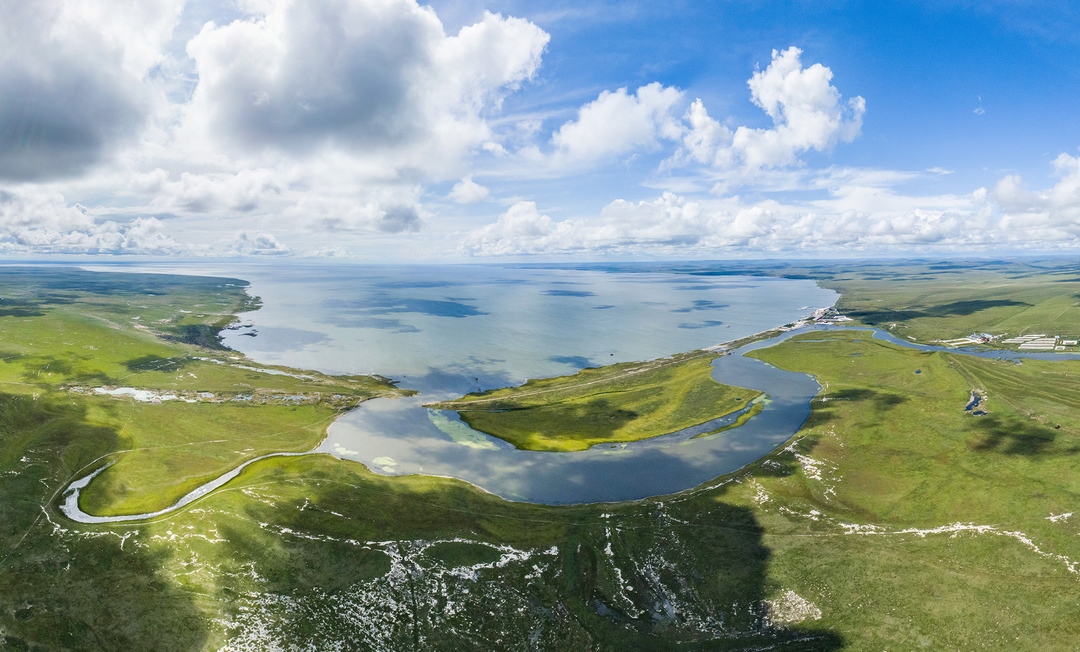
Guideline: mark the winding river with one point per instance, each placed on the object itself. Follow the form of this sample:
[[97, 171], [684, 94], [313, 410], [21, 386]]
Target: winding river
[[396, 438], [447, 330]]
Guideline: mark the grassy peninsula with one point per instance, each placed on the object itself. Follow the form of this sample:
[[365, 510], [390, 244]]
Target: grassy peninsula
[[603, 405]]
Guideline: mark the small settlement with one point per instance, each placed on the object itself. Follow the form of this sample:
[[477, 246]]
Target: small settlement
[[1040, 342], [974, 338], [1037, 342], [819, 316]]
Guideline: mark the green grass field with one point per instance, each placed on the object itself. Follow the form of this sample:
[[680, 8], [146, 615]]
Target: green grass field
[[957, 548], [616, 403], [64, 333], [893, 520], [942, 301]]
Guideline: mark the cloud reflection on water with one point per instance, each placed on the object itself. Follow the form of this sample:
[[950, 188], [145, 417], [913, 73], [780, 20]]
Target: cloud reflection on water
[[399, 429], [414, 324]]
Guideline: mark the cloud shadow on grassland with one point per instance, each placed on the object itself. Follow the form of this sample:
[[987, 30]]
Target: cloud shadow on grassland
[[82, 587], [997, 434], [874, 316], [715, 569]]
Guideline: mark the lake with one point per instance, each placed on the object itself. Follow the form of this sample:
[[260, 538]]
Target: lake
[[447, 330]]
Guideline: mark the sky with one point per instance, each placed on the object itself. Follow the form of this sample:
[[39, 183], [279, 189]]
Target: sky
[[469, 130]]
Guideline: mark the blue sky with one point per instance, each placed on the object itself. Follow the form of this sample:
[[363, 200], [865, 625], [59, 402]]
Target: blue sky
[[923, 67], [389, 130]]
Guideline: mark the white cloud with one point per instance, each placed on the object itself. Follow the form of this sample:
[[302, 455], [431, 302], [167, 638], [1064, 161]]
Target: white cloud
[[212, 192], [321, 117], [40, 221], [379, 79], [668, 223], [329, 252], [855, 216], [343, 208], [73, 80], [521, 229], [616, 123], [1052, 214], [468, 191], [807, 111], [853, 219], [257, 244], [326, 120]]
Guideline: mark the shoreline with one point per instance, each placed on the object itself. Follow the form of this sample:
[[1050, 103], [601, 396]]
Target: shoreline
[[69, 506]]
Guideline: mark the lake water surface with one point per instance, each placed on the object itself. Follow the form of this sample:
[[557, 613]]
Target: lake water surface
[[453, 328], [448, 330]]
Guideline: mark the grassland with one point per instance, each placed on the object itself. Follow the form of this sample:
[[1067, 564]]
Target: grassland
[[893, 520], [948, 300], [603, 405], [929, 299], [755, 409], [950, 526], [65, 334]]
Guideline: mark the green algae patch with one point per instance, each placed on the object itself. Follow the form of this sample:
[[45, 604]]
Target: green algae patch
[[617, 403]]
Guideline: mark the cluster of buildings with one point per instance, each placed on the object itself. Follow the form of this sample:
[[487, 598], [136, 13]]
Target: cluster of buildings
[[1040, 342], [974, 338], [1036, 342], [819, 316], [828, 316]]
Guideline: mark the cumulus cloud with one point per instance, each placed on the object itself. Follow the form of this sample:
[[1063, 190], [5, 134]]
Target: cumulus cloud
[[1050, 214], [468, 191], [395, 219], [520, 230], [858, 215], [257, 244], [323, 195], [670, 221], [807, 111], [73, 80], [619, 122], [328, 117], [326, 120], [39, 221], [211, 192], [391, 210], [372, 77]]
